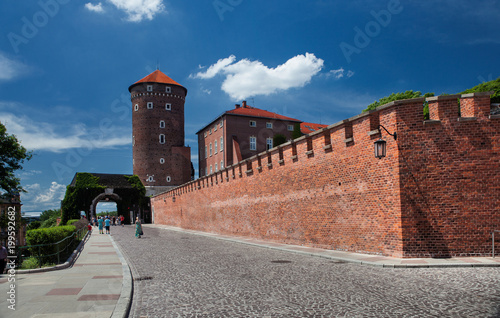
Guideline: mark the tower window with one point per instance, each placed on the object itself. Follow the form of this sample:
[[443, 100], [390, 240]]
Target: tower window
[[168, 89], [210, 149], [206, 153], [169, 179], [253, 143], [162, 161], [150, 88], [216, 168], [221, 124], [150, 105], [211, 170], [253, 123], [221, 165], [221, 143], [162, 124], [168, 106], [162, 138], [136, 107], [215, 128], [215, 146]]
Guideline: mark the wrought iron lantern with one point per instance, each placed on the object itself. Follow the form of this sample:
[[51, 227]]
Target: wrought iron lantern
[[380, 146]]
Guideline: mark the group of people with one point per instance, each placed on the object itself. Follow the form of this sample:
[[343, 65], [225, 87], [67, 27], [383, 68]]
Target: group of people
[[104, 224]]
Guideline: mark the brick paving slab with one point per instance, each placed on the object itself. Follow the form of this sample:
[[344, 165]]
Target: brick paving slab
[[179, 274]]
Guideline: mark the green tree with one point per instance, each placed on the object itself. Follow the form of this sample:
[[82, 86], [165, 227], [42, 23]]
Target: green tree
[[493, 86], [12, 156], [50, 214], [397, 96], [296, 133], [278, 139]]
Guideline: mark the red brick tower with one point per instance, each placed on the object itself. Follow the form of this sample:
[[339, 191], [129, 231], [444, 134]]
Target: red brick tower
[[160, 158]]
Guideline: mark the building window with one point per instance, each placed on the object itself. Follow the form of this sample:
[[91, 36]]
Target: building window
[[211, 171], [205, 134], [150, 105], [269, 125], [150, 179], [210, 149], [162, 124], [215, 147], [133, 140], [221, 164], [150, 88], [269, 143], [206, 153], [162, 161], [162, 138], [168, 106], [253, 123], [168, 89], [136, 107], [215, 128], [216, 168], [221, 124], [221, 143], [290, 127], [169, 179], [253, 143], [210, 131]]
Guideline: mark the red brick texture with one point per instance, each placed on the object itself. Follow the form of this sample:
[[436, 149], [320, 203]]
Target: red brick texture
[[436, 194]]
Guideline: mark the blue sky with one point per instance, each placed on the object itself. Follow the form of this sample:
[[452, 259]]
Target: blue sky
[[65, 67]]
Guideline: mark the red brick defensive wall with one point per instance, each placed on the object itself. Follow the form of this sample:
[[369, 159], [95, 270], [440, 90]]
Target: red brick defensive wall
[[435, 194]]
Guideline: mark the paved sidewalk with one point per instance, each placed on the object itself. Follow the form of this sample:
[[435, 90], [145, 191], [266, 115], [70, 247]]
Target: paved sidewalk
[[99, 284], [363, 259]]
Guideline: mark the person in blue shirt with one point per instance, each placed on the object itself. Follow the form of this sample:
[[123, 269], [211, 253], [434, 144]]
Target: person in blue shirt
[[100, 222], [107, 223]]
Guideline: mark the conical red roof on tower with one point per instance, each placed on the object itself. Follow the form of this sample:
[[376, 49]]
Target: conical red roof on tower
[[156, 77]]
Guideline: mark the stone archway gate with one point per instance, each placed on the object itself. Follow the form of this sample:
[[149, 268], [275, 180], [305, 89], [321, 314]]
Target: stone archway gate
[[126, 191]]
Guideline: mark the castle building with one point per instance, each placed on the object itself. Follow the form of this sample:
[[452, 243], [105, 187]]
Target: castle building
[[160, 158], [239, 134]]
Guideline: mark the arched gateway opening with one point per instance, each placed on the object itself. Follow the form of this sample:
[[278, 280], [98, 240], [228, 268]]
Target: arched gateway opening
[[88, 189]]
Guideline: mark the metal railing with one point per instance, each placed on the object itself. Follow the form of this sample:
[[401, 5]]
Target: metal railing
[[493, 242], [51, 252]]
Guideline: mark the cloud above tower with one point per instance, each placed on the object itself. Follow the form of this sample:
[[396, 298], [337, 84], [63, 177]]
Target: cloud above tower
[[246, 78]]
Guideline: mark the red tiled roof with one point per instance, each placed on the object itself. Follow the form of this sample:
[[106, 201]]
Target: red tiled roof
[[157, 77], [256, 112], [307, 128]]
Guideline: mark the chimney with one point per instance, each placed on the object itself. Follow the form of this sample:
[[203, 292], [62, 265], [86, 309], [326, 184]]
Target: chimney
[[244, 104], [237, 106]]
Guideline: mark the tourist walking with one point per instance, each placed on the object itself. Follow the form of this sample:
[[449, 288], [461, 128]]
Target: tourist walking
[[101, 224], [138, 228], [122, 219], [3, 258], [107, 223]]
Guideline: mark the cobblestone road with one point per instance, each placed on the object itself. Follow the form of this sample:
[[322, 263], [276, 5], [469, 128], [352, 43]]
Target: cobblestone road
[[185, 275]]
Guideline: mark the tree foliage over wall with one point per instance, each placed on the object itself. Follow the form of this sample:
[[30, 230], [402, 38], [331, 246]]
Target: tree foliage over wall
[[493, 86], [87, 187]]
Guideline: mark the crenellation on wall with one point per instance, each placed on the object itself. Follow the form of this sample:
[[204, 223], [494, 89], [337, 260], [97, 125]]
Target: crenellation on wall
[[418, 201]]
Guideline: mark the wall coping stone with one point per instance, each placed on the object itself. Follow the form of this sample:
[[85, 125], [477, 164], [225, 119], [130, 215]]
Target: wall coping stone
[[442, 97], [477, 94]]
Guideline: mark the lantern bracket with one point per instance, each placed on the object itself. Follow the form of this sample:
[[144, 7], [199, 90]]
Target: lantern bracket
[[395, 135]]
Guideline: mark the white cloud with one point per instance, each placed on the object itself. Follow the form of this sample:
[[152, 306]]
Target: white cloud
[[215, 68], [137, 10], [247, 78], [337, 73], [10, 69], [94, 7], [350, 73], [40, 198], [43, 136]]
